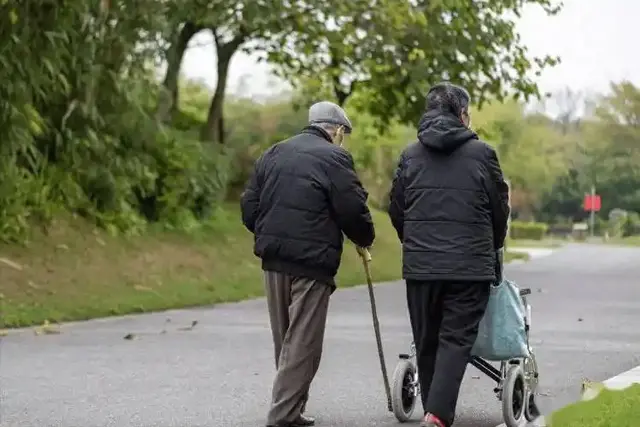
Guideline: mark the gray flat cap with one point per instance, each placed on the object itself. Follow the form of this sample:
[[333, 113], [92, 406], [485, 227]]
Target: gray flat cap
[[328, 112]]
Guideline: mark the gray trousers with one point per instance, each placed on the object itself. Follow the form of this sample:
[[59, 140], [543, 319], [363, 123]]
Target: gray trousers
[[298, 314]]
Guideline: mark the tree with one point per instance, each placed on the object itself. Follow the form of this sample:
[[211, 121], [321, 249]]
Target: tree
[[188, 18], [395, 49], [235, 25], [569, 103], [180, 38], [615, 147], [340, 43], [534, 153], [606, 153]]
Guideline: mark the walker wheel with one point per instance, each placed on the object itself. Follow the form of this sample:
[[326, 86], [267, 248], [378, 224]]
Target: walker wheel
[[531, 411], [403, 396], [514, 396]]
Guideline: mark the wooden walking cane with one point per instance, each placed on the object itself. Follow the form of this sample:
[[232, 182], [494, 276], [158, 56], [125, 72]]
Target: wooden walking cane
[[366, 259]]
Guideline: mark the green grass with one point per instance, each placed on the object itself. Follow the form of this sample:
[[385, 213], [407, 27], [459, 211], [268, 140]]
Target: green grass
[[78, 272], [625, 241], [511, 256], [619, 408], [544, 243]]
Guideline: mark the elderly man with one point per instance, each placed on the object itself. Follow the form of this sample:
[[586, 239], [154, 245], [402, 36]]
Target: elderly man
[[449, 205], [303, 194]]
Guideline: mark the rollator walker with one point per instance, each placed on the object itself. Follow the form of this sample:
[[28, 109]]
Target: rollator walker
[[516, 380]]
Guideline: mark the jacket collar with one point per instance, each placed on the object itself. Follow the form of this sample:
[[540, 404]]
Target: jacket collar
[[318, 131]]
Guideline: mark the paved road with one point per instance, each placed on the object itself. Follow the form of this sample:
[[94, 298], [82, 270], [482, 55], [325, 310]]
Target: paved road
[[586, 312]]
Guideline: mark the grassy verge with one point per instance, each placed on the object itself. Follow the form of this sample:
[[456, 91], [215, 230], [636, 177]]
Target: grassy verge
[[610, 408], [526, 243], [626, 241], [78, 272], [511, 256]]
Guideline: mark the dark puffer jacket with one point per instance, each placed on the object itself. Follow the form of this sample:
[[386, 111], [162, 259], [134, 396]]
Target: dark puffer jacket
[[449, 203], [303, 195]]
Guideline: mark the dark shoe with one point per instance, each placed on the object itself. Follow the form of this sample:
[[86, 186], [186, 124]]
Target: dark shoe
[[303, 421]]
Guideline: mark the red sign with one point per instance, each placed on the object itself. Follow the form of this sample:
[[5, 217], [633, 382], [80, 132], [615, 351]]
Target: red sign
[[592, 203]]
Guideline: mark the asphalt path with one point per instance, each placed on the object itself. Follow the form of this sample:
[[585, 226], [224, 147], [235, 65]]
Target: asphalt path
[[586, 312]]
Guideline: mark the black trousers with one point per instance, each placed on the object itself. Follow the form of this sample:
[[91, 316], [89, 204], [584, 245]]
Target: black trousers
[[444, 320]]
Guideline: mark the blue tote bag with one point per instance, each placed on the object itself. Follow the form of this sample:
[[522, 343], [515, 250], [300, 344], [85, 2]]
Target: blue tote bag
[[502, 334]]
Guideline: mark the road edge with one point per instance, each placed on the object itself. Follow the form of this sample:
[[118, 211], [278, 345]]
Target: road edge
[[621, 381]]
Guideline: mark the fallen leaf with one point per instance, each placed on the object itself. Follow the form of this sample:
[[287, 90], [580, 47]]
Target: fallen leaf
[[129, 337], [3, 332], [11, 264], [189, 328], [579, 319], [47, 329]]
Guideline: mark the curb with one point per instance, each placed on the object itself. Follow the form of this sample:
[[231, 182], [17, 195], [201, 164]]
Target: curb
[[619, 382]]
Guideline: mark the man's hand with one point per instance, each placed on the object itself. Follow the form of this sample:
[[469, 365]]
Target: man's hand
[[364, 253]]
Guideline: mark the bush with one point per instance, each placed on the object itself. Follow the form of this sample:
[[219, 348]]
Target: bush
[[528, 230], [631, 226], [623, 223], [79, 132]]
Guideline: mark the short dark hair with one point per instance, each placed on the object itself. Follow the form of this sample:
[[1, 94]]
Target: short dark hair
[[447, 98]]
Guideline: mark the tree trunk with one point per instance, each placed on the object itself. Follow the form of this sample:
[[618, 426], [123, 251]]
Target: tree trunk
[[341, 94], [168, 103], [213, 130]]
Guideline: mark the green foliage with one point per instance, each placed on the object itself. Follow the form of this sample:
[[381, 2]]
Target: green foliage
[[631, 225], [376, 155], [389, 51], [544, 159], [253, 128], [393, 50], [528, 230], [605, 149], [623, 224], [81, 130], [248, 26], [533, 153], [75, 125]]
